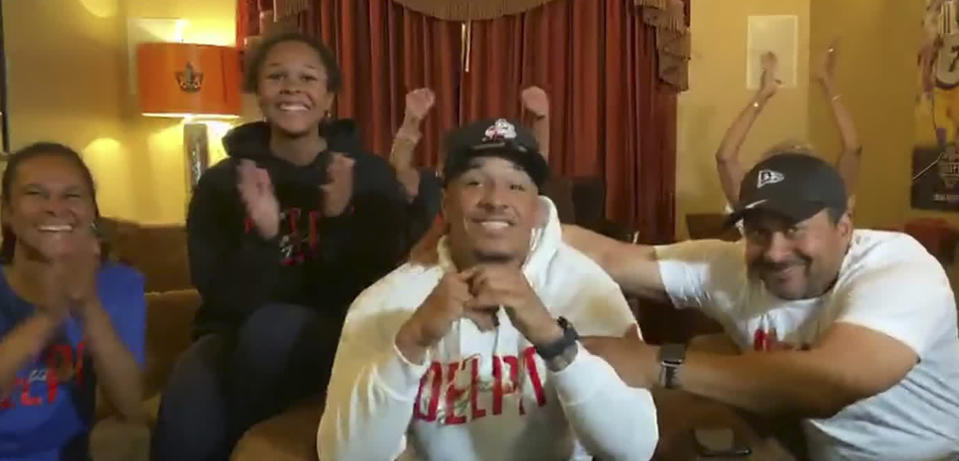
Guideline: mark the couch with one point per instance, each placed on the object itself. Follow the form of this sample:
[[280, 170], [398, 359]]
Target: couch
[[160, 254]]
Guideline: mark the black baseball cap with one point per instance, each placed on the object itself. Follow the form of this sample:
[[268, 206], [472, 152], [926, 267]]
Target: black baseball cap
[[794, 185], [495, 137]]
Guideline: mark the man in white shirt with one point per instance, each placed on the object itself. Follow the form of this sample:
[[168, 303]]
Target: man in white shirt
[[475, 357], [858, 327]]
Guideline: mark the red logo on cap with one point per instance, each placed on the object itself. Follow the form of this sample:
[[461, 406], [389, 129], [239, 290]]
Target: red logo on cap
[[500, 130]]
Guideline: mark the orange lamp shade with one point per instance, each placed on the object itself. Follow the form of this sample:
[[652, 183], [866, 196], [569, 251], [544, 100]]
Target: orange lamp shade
[[184, 79]]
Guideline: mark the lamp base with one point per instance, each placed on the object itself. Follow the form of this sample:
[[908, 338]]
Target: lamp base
[[196, 150]]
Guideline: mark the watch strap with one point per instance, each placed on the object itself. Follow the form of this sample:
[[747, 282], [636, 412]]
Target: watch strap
[[548, 351], [671, 358]]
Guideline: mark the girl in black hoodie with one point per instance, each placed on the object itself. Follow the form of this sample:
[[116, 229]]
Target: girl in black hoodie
[[282, 236]]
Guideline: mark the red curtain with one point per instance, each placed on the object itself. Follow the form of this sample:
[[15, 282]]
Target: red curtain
[[385, 51], [610, 115]]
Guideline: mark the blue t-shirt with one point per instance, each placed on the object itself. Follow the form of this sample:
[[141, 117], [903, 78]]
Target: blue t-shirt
[[48, 413]]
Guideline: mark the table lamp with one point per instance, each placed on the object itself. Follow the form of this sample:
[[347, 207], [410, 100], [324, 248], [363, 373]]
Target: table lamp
[[190, 82]]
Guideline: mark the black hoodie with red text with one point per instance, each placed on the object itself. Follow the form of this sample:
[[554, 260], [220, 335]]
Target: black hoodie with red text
[[317, 261]]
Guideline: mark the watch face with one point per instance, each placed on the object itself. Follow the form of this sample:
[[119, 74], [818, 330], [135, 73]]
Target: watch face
[[672, 353], [562, 360]]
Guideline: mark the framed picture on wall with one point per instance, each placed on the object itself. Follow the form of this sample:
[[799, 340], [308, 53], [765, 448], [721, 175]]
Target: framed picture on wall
[[935, 155]]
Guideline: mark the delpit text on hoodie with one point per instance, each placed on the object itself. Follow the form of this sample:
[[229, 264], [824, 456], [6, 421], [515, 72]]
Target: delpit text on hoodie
[[453, 393]]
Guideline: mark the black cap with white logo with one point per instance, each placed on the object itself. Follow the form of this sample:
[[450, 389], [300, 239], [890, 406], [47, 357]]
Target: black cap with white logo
[[494, 138], [793, 185]]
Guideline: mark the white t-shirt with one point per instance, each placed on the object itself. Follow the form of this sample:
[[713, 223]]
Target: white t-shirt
[[889, 283]]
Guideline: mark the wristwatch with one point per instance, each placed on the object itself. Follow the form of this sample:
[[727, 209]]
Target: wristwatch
[[560, 353], [671, 357]]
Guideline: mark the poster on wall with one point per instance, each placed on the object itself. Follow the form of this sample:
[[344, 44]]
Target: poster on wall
[[935, 156]]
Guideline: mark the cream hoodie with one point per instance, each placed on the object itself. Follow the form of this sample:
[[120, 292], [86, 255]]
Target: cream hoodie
[[485, 395]]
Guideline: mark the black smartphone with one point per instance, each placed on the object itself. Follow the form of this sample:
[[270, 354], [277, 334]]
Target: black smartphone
[[719, 442]]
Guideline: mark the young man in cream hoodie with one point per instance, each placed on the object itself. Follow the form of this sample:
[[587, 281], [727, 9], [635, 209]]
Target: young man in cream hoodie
[[476, 357]]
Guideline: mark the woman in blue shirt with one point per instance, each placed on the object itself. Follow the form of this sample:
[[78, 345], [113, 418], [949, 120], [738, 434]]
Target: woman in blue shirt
[[69, 323]]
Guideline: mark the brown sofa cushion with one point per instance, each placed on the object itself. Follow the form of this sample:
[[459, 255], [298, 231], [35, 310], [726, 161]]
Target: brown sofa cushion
[[169, 319], [560, 191], [159, 252]]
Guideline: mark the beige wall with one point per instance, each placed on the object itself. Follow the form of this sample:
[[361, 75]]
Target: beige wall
[[718, 93], [64, 81], [68, 81], [878, 77]]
